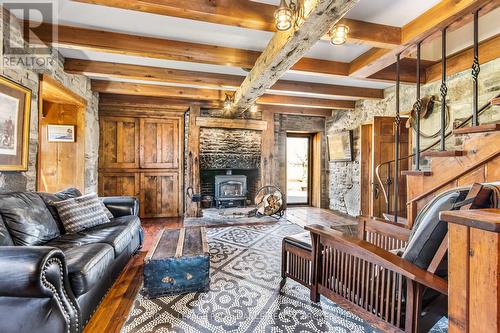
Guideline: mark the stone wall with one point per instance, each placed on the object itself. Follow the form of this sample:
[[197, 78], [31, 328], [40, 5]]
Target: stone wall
[[229, 148], [344, 182], [28, 77]]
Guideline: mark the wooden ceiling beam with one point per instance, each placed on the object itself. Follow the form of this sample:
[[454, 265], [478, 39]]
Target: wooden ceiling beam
[[287, 47], [250, 15], [149, 47], [224, 81], [116, 101], [204, 95], [305, 102], [488, 50], [447, 13]]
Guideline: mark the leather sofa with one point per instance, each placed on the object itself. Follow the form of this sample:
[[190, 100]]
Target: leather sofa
[[56, 285]]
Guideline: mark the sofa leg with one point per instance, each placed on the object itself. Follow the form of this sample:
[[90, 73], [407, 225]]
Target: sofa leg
[[283, 260]]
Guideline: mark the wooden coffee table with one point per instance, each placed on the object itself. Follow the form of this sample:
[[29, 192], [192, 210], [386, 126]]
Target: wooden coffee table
[[178, 263]]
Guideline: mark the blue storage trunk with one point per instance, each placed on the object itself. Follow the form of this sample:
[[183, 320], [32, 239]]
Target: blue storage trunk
[[177, 263]]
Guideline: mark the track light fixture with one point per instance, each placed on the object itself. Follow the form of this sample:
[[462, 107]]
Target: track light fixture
[[288, 14], [339, 34]]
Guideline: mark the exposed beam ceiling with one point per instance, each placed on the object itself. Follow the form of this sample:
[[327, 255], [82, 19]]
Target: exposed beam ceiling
[[126, 88], [251, 15], [426, 25], [119, 43], [286, 48], [167, 75]]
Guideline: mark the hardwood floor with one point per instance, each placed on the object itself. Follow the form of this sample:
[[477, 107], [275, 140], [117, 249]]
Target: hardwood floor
[[113, 311]]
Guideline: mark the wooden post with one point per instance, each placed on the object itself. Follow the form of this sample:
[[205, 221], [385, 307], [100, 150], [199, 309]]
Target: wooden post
[[267, 151], [193, 162], [474, 270]]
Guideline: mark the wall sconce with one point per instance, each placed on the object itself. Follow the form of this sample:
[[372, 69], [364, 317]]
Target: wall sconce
[[254, 108], [228, 102], [339, 34], [288, 14]]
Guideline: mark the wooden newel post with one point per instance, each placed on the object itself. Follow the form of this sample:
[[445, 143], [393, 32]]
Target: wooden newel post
[[473, 270]]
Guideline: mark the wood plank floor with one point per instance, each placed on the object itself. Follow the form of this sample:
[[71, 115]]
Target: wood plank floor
[[113, 311]]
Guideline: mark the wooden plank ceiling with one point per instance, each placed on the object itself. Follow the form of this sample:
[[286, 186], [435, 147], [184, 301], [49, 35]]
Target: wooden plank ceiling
[[289, 76]]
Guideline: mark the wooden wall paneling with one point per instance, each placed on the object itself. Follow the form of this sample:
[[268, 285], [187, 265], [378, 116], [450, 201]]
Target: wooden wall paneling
[[119, 142], [366, 169], [159, 194], [119, 184], [61, 163], [193, 162], [492, 170], [475, 176], [160, 143]]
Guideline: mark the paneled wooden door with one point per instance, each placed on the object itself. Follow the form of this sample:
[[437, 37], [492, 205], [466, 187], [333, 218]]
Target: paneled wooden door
[[119, 142], [141, 156], [383, 131]]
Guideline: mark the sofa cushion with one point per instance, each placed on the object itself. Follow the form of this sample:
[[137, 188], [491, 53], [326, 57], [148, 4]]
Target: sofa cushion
[[27, 218], [81, 213], [5, 239], [117, 233], [429, 231], [87, 265], [48, 198]]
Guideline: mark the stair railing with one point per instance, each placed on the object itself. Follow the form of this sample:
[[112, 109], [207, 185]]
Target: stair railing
[[388, 182], [386, 188]]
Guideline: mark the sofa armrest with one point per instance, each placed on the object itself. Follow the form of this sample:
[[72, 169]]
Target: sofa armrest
[[121, 206], [34, 272]]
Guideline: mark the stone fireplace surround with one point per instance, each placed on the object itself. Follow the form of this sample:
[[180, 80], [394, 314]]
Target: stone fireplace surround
[[237, 150]]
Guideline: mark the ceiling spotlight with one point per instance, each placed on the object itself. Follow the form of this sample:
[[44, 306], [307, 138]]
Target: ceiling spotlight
[[283, 16], [339, 34], [228, 102]]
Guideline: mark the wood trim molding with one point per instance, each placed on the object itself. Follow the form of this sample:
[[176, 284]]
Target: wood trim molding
[[230, 123], [54, 91]]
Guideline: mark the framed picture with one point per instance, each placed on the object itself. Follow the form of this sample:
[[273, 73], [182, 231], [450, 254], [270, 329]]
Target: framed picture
[[61, 133], [15, 108], [340, 146]]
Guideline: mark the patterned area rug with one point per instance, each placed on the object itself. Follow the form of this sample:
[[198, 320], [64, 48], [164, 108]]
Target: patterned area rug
[[246, 294]]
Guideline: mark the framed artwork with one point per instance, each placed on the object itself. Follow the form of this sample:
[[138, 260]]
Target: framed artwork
[[15, 108], [61, 133], [340, 147]]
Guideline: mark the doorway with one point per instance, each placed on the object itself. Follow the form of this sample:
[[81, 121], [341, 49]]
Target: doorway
[[298, 169], [61, 155]]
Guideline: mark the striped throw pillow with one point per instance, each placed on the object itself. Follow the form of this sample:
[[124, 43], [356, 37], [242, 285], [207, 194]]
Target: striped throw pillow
[[81, 213]]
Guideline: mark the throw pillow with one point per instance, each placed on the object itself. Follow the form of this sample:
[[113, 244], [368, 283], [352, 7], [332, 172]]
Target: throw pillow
[[81, 213], [106, 210]]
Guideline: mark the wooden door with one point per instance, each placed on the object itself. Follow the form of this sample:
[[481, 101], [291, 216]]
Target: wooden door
[[160, 148], [383, 151], [119, 142], [366, 169], [160, 194], [119, 184]]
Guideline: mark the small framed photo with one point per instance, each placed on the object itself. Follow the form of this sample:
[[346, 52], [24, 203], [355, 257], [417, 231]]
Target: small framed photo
[[61, 133], [340, 147]]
